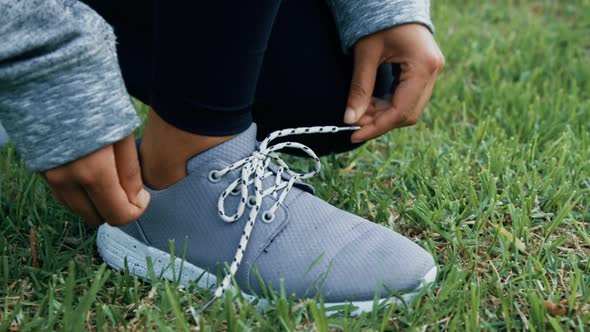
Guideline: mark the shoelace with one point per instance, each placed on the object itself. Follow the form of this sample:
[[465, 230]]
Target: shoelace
[[257, 164]]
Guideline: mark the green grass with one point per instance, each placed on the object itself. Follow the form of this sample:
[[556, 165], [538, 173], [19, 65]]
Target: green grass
[[494, 181]]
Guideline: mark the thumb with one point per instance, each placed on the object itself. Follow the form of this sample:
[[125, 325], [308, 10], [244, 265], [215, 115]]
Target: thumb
[[129, 172], [361, 87]]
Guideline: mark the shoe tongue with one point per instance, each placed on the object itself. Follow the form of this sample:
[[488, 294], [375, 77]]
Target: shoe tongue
[[231, 151]]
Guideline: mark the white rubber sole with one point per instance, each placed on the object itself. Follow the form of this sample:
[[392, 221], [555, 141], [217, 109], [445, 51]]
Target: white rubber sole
[[120, 250]]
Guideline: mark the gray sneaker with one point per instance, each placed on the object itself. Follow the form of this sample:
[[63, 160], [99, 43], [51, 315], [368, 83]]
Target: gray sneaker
[[276, 230]]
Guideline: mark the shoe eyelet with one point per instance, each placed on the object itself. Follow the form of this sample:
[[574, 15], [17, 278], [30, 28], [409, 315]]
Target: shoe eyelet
[[268, 217], [251, 201], [214, 176]]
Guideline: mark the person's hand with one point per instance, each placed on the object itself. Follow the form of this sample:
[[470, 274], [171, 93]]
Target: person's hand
[[103, 186], [412, 46]]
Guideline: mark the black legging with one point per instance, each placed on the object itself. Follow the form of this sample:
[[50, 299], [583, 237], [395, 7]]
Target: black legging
[[213, 67]]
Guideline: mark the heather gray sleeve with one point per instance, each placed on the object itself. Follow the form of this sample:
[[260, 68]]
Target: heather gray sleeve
[[61, 91], [358, 18]]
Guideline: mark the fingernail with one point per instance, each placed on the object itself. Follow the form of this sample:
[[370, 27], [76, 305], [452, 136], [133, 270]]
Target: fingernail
[[350, 116], [143, 198]]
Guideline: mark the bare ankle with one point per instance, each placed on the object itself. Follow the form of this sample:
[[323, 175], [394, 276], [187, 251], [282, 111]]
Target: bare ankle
[[166, 149]]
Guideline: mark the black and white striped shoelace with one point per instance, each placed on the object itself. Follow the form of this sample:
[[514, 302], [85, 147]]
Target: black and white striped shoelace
[[256, 166]]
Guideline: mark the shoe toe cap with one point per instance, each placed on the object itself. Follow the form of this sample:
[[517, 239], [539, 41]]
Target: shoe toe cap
[[380, 261]]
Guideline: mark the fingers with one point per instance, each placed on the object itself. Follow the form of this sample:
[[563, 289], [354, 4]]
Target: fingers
[[73, 197], [107, 194], [92, 188], [366, 61], [78, 201], [404, 111], [377, 105], [129, 173], [414, 48], [409, 100]]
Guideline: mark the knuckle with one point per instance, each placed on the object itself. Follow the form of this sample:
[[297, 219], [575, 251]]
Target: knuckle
[[435, 63], [442, 62], [86, 178], [408, 120], [357, 90], [132, 174]]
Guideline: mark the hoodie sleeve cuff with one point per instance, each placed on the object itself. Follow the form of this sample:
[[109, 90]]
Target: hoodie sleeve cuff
[[357, 19], [62, 95]]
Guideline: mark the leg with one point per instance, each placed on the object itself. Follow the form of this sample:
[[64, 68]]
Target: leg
[[196, 50], [201, 48], [133, 22], [305, 77]]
